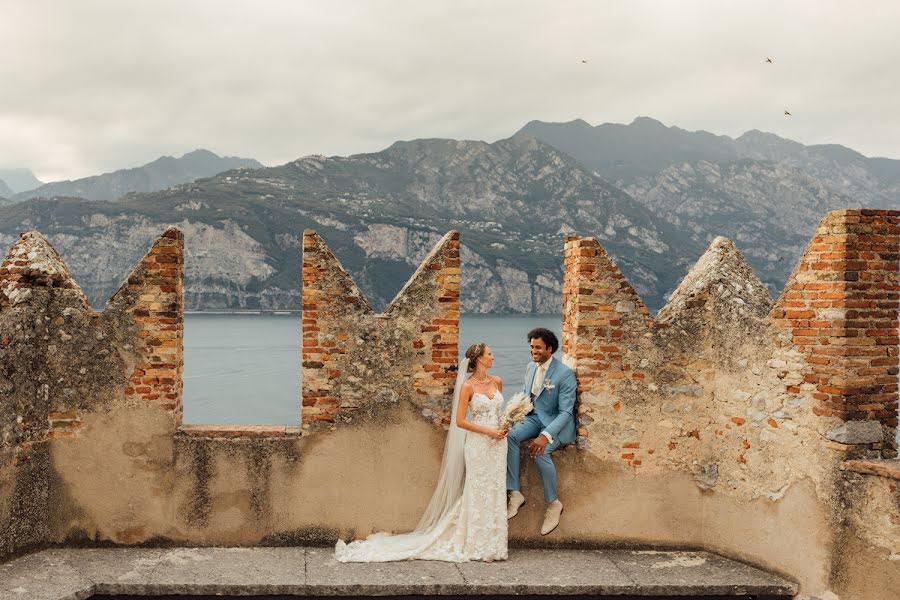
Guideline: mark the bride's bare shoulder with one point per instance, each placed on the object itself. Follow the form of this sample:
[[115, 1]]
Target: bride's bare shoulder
[[499, 381]]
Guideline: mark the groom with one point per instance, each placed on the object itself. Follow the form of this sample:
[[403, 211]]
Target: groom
[[552, 422]]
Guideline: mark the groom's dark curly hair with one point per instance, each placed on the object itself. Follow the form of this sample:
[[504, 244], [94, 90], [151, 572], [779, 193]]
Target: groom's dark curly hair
[[547, 336]]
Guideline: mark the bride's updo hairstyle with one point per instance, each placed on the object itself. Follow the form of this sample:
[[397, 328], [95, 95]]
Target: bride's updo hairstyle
[[474, 351]]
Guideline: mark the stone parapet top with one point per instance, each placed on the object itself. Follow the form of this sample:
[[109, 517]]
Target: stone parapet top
[[305, 572], [239, 431], [881, 467]]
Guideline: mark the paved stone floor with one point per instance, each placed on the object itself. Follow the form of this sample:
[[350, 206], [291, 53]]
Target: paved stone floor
[[77, 574]]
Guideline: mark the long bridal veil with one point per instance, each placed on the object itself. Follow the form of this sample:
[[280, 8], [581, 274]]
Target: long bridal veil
[[449, 487], [380, 547]]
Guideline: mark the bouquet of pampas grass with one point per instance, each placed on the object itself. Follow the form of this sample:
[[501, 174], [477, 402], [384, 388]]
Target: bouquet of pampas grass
[[516, 409]]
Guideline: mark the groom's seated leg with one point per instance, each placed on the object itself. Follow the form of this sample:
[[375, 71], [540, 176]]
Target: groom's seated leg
[[525, 430], [547, 470]]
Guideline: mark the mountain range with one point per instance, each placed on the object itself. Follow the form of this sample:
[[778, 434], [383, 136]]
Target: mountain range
[[764, 192], [162, 173], [17, 180], [624, 154], [654, 195]]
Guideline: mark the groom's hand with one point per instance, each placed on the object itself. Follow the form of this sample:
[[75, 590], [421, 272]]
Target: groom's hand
[[537, 446]]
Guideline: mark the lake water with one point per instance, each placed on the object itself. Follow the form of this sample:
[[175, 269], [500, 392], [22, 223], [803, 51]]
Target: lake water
[[245, 369]]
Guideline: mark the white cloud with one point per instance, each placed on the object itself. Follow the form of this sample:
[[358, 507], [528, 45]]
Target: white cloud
[[94, 86]]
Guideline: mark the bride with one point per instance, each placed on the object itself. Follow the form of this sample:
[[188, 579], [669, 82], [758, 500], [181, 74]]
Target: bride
[[466, 518]]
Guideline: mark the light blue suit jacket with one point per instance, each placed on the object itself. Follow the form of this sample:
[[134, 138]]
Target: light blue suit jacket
[[555, 404]]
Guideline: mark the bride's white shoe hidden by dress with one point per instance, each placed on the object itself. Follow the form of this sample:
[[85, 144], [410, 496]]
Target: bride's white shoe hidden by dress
[[551, 517], [516, 500]]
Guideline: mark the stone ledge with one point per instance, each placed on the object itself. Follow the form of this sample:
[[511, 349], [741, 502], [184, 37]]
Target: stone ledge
[[297, 571], [882, 467], [239, 431]]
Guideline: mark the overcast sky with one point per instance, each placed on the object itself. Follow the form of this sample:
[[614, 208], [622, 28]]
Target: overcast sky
[[93, 86]]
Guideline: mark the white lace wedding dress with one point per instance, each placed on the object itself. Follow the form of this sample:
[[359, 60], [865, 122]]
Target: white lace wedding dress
[[475, 527]]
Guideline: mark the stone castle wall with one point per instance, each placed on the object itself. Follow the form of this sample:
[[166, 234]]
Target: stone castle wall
[[63, 365], [757, 428], [759, 402], [354, 359]]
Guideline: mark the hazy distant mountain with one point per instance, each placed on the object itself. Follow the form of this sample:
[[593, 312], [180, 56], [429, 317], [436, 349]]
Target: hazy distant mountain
[[19, 180], [162, 173], [619, 153], [5, 192], [513, 201], [871, 181], [623, 153]]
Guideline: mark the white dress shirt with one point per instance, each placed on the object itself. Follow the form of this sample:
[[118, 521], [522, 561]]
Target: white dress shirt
[[539, 375], [538, 383]]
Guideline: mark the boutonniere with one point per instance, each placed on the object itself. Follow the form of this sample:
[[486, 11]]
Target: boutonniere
[[548, 386]]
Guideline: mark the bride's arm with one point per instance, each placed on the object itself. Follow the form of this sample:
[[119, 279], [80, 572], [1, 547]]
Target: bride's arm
[[465, 394], [499, 381]]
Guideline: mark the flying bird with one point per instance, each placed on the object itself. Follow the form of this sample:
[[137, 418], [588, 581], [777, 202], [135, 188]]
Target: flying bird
[[770, 61], [583, 61], [787, 113]]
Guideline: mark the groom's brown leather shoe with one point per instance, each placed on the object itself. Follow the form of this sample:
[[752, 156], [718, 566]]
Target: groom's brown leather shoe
[[551, 517], [516, 499]]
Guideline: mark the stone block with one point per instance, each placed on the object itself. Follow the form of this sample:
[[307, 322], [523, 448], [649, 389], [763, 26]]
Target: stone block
[[857, 432]]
